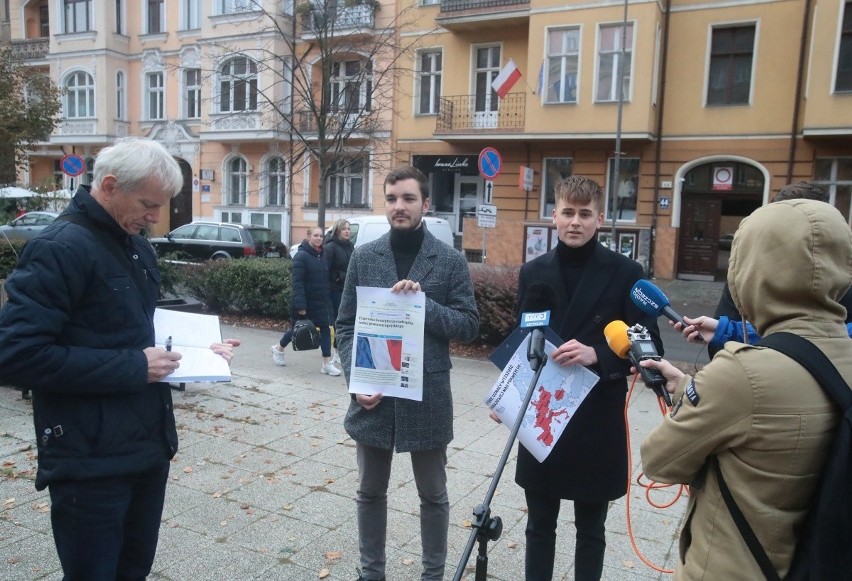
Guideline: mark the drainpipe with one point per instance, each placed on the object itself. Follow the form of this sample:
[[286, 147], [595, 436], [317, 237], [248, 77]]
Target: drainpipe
[[659, 146], [797, 105]]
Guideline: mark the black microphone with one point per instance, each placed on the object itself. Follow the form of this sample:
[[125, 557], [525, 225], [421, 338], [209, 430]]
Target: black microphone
[[537, 304], [635, 344]]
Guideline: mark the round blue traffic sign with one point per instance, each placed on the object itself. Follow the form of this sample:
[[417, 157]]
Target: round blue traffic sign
[[72, 165], [490, 163]]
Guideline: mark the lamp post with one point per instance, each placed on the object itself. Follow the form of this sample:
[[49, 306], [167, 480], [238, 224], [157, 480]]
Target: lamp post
[[619, 92]]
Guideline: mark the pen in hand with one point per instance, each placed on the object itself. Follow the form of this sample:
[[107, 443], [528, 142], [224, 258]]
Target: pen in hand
[[169, 343]]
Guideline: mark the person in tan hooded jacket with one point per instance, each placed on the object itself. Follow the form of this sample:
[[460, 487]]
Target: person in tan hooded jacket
[[759, 412]]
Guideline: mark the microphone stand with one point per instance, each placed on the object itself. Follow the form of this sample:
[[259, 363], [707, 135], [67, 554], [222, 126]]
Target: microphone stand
[[484, 527]]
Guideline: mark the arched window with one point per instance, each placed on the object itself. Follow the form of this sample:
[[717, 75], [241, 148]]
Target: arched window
[[238, 85], [276, 181], [237, 180], [89, 176], [79, 95]]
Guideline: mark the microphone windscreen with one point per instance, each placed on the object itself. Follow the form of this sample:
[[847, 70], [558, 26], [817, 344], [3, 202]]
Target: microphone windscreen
[[616, 337], [648, 297], [539, 298]]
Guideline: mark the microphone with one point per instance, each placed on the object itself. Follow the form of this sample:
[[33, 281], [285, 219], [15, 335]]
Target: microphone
[[635, 344], [652, 301], [538, 302]]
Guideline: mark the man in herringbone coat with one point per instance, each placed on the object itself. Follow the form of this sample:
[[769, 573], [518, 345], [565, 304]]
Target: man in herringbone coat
[[407, 259]]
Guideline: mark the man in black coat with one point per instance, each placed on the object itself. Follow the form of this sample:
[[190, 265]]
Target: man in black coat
[[591, 286], [78, 330]]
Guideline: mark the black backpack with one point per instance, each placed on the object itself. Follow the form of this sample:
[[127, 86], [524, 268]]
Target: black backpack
[[824, 549]]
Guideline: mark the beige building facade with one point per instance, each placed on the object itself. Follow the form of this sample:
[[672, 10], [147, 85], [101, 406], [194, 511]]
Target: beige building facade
[[722, 103]]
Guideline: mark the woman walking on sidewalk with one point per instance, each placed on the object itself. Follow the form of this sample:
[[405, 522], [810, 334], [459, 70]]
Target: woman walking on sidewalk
[[310, 298], [338, 250]]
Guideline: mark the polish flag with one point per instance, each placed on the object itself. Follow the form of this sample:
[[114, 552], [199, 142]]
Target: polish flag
[[507, 78]]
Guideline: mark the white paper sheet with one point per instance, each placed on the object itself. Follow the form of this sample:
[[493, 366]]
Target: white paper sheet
[[192, 334]]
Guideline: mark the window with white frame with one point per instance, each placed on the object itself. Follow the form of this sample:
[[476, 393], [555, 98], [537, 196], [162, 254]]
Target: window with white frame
[[119, 95], [555, 170], [89, 175], [58, 175], [835, 175], [190, 15], [625, 185], [236, 170], [563, 57], [843, 80], [351, 86], [731, 61], [156, 16], [429, 2], [347, 184], [77, 16], [238, 85], [276, 181], [79, 95], [611, 38], [429, 72], [236, 6], [119, 16], [192, 93], [155, 95], [43, 19]]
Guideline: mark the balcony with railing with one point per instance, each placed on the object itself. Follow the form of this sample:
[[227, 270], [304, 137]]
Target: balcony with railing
[[339, 21], [468, 14], [338, 124], [30, 49], [468, 114]]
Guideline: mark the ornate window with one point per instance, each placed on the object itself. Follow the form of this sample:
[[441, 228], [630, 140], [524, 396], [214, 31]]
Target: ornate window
[[79, 95], [238, 85], [276, 181], [236, 170]]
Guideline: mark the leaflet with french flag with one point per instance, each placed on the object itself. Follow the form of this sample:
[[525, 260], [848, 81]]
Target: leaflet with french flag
[[507, 78]]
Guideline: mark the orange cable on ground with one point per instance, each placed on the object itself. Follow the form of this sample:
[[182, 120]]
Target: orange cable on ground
[[641, 481]]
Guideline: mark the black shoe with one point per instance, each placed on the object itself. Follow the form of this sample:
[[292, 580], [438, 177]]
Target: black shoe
[[362, 578]]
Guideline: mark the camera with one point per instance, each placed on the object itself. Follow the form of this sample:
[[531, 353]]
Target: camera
[[642, 347]]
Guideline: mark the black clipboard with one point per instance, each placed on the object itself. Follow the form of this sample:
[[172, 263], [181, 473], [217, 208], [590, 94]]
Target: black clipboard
[[504, 351]]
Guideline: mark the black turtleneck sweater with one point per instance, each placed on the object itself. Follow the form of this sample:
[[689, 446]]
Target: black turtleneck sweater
[[572, 262], [405, 245]]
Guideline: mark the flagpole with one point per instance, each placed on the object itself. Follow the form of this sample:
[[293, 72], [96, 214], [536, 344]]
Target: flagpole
[[620, 96]]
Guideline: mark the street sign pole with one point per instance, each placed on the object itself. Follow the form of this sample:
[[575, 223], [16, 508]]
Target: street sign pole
[[490, 165]]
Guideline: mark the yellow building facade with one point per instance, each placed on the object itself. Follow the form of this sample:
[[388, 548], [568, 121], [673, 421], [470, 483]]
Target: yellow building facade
[[690, 113]]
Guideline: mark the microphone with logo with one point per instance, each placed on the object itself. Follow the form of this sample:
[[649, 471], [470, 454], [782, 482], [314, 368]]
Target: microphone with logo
[[652, 301], [635, 344], [536, 315]]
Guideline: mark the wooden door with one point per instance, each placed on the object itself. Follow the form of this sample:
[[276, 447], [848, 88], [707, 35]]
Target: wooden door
[[699, 233]]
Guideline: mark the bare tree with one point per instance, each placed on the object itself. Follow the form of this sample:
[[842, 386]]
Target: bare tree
[[28, 112], [325, 81]]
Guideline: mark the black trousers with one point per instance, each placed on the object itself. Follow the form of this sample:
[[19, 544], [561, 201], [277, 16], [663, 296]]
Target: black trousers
[[589, 520], [107, 528]]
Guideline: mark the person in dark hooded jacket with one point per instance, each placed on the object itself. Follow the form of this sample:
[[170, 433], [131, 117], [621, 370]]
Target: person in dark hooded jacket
[[338, 251], [310, 299]]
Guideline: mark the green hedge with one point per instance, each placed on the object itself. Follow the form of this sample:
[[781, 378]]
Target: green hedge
[[495, 289], [8, 259], [244, 286]]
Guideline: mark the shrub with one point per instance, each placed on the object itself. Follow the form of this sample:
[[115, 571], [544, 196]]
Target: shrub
[[8, 258], [495, 289], [245, 286]]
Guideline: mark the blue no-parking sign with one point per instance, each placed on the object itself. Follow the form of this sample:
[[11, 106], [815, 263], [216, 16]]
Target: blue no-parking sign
[[72, 165], [490, 163]]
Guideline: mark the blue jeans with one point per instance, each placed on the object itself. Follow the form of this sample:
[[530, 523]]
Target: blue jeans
[[325, 340], [430, 475], [107, 528]]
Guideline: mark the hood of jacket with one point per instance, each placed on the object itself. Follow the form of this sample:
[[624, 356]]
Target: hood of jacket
[[790, 264], [306, 246]]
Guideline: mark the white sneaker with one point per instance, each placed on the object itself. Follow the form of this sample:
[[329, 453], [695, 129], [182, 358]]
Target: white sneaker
[[330, 369], [277, 356], [336, 358]]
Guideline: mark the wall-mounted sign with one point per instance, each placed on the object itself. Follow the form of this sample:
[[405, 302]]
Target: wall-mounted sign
[[664, 203], [208, 175], [205, 187], [525, 178]]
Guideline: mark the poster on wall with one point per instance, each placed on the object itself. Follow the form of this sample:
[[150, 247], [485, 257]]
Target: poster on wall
[[536, 242], [627, 244], [554, 238], [605, 238]]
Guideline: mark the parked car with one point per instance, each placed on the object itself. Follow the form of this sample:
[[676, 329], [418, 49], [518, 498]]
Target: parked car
[[219, 241], [725, 241], [27, 226], [368, 228]]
